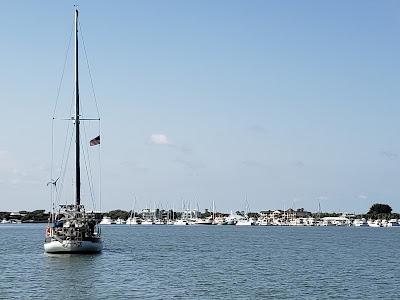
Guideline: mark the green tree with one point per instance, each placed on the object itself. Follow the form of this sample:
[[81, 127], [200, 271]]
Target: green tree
[[379, 208], [4, 215], [205, 214], [36, 216], [118, 213]]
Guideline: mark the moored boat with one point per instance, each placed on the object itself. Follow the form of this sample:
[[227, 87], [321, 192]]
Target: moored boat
[[120, 221], [246, 222], [181, 222], [393, 223], [208, 221], [148, 222], [133, 221], [71, 229], [360, 223], [106, 221], [375, 223]]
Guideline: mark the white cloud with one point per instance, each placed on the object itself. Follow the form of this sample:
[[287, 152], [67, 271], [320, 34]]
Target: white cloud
[[298, 164], [258, 129], [390, 155], [253, 164], [160, 139]]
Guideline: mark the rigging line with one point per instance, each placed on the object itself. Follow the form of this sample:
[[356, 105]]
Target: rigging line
[[55, 195], [52, 162], [53, 117], [63, 71], [96, 103], [64, 160], [88, 158], [87, 173], [100, 166], [65, 167], [88, 170], [52, 148], [90, 73], [66, 139], [67, 132], [64, 150]]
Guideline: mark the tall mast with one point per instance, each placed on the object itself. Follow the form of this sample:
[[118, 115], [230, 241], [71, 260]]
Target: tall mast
[[77, 138]]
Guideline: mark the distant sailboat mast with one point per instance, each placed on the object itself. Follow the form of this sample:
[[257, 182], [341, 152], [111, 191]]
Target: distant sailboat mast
[[77, 133]]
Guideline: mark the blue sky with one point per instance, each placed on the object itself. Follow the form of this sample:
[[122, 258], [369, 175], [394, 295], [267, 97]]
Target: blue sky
[[288, 102]]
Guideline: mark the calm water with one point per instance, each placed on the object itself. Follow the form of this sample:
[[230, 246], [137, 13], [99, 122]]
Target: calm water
[[206, 262]]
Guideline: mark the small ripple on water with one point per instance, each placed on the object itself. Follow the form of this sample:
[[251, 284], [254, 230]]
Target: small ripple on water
[[208, 262]]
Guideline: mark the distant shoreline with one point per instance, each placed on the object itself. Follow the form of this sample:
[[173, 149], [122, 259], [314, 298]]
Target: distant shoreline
[[376, 217]]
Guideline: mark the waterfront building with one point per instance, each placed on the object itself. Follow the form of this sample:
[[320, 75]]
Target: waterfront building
[[148, 213]]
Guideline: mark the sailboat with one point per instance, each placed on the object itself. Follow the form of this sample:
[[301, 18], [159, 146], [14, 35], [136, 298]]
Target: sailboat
[[71, 229], [132, 220], [246, 221]]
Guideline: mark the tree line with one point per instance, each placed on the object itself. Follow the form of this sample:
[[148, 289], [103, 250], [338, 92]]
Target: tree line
[[376, 211], [36, 216]]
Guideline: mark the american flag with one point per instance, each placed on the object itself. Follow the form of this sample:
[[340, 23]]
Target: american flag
[[95, 141]]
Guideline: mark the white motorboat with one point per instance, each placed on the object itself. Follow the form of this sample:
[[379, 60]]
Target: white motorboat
[[220, 221], [374, 223], [208, 221], [311, 222], [148, 222], [181, 222], [246, 222], [106, 221], [360, 223], [393, 223], [327, 223], [15, 221], [232, 219], [133, 221], [120, 221]]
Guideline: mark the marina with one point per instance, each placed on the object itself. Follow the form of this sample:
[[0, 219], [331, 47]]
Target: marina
[[289, 217], [261, 221]]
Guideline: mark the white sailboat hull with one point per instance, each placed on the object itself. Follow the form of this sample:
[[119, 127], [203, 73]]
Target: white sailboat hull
[[73, 247], [180, 222], [245, 224]]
